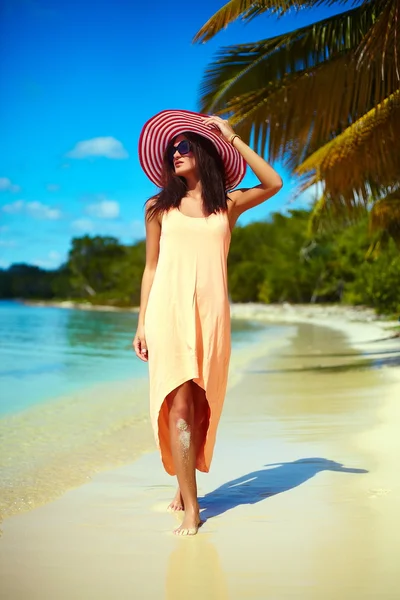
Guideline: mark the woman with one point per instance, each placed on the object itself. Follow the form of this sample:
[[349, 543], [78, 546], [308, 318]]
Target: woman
[[184, 321]]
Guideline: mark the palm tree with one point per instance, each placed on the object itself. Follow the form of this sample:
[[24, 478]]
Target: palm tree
[[324, 99]]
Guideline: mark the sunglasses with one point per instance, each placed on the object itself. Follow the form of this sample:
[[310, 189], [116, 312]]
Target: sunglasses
[[184, 147]]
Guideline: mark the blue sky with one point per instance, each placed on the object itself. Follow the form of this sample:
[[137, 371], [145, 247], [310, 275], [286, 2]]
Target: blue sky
[[79, 79]]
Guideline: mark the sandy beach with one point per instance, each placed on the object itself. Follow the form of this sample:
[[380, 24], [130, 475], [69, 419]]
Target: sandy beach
[[301, 501]]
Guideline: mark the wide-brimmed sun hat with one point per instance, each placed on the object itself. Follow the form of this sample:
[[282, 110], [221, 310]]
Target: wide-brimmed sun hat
[[158, 132]]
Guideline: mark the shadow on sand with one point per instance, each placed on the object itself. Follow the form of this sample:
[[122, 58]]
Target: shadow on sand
[[273, 479]]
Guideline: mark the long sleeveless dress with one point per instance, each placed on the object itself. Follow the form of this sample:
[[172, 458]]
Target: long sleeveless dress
[[187, 322]]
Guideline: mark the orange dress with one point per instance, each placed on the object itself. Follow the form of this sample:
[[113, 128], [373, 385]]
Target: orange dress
[[187, 322]]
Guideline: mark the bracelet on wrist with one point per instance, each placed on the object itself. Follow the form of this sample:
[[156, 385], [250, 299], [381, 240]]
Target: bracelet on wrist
[[233, 137]]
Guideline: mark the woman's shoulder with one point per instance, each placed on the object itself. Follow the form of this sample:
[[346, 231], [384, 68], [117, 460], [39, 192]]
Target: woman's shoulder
[[151, 211], [151, 202]]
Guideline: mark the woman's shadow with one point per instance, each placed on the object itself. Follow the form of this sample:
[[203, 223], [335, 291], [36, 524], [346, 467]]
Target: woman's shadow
[[273, 479]]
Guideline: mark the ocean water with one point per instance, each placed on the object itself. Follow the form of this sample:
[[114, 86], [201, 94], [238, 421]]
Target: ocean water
[[50, 352]]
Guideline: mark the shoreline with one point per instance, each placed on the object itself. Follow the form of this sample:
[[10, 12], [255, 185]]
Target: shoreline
[[71, 304], [329, 315], [312, 456], [252, 310]]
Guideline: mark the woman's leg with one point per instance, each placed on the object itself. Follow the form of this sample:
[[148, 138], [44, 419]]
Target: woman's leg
[[201, 416], [181, 404], [177, 502]]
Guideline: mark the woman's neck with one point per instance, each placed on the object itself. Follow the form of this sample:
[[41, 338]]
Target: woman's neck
[[194, 188]]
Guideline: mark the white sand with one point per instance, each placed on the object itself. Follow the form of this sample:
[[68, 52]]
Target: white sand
[[304, 528]]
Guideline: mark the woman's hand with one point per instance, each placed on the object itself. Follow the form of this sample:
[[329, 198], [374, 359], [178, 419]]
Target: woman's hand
[[224, 128], [139, 344]]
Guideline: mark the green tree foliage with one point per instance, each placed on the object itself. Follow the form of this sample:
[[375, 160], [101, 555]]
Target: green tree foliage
[[26, 281], [93, 264], [276, 260], [377, 283]]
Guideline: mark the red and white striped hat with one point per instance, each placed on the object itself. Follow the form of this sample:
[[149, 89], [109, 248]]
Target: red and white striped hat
[[165, 126]]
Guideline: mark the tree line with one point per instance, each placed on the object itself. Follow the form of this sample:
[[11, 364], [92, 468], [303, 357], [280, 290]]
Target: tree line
[[272, 261]]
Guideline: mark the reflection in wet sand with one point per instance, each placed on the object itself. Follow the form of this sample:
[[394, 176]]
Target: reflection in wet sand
[[194, 571], [316, 387]]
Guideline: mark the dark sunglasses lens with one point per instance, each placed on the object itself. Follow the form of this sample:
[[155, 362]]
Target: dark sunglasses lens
[[171, 152], [183, 147]]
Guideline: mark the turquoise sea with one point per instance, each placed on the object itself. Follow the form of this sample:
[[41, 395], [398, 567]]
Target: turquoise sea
[[48, 352]]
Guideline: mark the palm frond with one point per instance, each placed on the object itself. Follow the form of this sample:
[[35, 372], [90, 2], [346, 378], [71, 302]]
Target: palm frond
[[296, 115], [318, 217], [249, 9], [250, 66], [363, 160], [303, 87], [382, 39]]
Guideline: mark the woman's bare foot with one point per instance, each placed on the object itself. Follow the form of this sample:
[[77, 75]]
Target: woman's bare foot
[[177, 503], [190, 524]]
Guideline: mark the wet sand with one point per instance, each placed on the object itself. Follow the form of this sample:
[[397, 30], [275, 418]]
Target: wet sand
[[301, 501]]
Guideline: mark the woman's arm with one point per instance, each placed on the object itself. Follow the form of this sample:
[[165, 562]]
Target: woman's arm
[[153, 233], [270, 180]]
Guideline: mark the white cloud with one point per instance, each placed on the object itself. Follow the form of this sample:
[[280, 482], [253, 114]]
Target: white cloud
[[14, 207], [84, 225], [52, 187], [126, 232], [6, 185], [51, 261], [105, 209], [54, 255], [100, 146], [37, 210]]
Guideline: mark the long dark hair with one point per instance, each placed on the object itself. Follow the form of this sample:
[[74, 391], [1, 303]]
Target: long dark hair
[[212, 176]]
